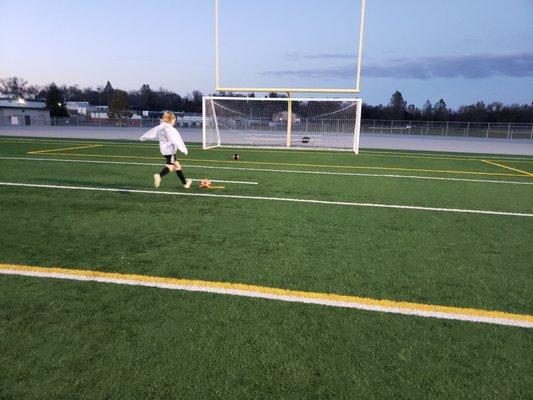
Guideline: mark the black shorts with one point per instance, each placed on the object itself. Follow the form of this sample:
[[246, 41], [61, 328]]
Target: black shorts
[[171, 159]]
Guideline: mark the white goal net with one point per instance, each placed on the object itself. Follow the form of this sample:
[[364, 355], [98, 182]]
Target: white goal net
[[313, 124]]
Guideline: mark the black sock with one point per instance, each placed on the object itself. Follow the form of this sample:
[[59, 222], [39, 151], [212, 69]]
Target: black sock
[[164, 171], [181, 176]]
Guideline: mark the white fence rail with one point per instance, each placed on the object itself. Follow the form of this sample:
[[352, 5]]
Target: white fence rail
[[449, 128], [486, 130]]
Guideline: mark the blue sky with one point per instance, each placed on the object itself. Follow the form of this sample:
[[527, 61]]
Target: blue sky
[[460, 50]]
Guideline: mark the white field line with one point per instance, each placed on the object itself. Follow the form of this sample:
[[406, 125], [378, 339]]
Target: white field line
[[265, 198], [116, 162], [300, 298], [283, 171], [223, 181], [392, 176]]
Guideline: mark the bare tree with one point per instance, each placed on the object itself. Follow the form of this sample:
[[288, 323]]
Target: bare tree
[[14, 87]]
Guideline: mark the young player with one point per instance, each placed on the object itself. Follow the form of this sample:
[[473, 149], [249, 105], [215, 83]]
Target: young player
[[170, 142]]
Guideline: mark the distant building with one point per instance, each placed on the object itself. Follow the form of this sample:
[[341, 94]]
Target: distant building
[[183, 120], [97, 113], [77, 108], [23, 113], [189, 121]]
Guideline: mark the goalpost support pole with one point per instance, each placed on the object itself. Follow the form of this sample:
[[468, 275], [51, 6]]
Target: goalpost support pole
[[357, 132], [289, 120], [204, 123], [215, 120], [217, 44]]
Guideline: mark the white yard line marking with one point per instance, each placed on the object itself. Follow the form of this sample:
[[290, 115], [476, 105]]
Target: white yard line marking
[[283, 171], [393, 176], [265, 198], [223, 181], [116, 162], [263, 292]]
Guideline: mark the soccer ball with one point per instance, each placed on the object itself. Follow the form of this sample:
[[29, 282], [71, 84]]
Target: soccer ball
[[205, 184], [236, 157]]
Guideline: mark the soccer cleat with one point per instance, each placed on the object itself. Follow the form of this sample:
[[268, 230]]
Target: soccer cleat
[[188, 183], [157, 180]]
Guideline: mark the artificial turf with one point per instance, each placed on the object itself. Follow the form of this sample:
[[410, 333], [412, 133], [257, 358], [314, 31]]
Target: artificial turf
[[137, 342]]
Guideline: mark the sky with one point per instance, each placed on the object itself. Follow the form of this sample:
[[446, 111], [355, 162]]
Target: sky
[[460, 50]]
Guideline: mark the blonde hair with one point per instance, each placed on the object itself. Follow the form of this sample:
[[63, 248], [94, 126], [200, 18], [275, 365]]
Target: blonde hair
[[169, 118]]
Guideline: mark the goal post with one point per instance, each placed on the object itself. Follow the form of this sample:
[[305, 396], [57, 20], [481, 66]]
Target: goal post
[[210, 130], [293, 123], [228, 34]]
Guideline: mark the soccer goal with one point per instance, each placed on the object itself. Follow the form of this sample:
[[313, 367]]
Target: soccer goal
[[295, 123]]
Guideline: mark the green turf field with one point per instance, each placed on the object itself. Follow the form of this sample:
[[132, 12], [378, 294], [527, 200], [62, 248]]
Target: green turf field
[[323, 222]]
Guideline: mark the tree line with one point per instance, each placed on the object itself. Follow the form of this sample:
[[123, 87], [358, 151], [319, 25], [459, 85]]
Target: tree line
[[123, 103], [398, 109]]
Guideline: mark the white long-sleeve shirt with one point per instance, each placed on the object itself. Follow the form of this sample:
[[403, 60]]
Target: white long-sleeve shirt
[[170, 140]]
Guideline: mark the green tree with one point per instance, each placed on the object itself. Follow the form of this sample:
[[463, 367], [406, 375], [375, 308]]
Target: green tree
[[118, 107], [397, 106], [428, 111], [147, 98], [72, 93], [55, 102], [441, 111], [413, 112], [276, 95], [107, 93], [474, 113]]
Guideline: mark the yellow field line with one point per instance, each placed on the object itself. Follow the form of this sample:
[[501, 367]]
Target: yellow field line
[[507, 167], [237, 289], [65, 149], [110, 143], [444, 157], [351, 155], [300, 165], [508, 160], [251, 150]]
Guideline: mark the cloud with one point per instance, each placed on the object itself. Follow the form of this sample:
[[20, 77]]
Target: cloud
[[332, 73], [467, 66], [320, 56]]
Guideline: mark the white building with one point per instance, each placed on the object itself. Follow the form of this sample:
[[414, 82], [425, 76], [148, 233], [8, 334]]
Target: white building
[[76, 107], [15, 112], [84, 108]]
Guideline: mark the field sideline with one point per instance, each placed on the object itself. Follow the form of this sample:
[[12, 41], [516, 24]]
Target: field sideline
[[449, 231]]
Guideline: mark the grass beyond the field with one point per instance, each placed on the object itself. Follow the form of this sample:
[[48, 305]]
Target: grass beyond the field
[[87, 340]]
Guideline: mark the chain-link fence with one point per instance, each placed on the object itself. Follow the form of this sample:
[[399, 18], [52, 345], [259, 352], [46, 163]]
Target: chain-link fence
[[145, 122], [368, 126], [457, 129]]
